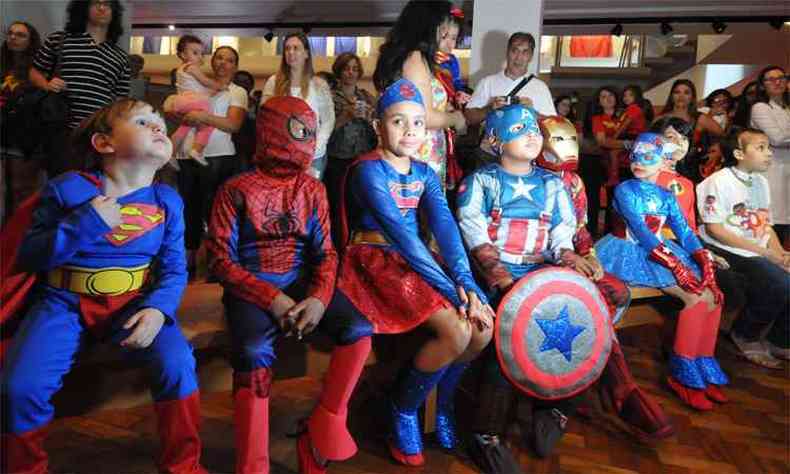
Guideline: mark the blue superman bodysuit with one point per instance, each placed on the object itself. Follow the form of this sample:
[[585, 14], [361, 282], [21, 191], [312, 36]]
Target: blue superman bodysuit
[[94, 277]]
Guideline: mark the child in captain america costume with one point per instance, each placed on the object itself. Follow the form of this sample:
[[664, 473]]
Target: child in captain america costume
[[514, 217], [633, 405], [640, 255], [389, 275], [270, 247], [109, 248]]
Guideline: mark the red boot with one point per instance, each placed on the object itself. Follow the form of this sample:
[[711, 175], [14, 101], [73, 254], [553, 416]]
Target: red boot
[[251, 420], [327, 429], [24, 453], [715, 393], [645, 417], [693, 397], [179, 426]]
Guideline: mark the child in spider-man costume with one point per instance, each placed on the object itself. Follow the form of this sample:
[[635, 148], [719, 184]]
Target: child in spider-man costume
[[108, 246], [270, 247], [638, 253]]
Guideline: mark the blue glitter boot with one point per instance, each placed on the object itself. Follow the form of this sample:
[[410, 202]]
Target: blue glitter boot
[[410, 392], [446, 433]]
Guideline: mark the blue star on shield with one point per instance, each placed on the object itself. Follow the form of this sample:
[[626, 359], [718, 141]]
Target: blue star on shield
[[560, 333]]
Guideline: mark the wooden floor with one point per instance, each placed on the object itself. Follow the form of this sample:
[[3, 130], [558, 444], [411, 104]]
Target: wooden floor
[[748, 435]]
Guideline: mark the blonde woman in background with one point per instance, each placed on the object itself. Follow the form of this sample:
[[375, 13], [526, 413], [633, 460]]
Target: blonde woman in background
[[296, 78]]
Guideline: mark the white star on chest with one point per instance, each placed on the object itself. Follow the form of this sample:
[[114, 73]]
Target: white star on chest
[[521, 188]]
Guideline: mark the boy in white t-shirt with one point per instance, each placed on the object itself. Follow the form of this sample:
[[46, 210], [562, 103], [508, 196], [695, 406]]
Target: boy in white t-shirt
[[735, 207]]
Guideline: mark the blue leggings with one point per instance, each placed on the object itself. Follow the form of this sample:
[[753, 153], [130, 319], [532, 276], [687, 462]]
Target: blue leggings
[[45, 348], [254, 331]]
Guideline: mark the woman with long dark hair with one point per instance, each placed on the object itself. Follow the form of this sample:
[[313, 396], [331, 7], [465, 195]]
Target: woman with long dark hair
[[297, 78], [682, 103], [409, 52], [564, 105], [743, 105], [771, 114], [20, 171]]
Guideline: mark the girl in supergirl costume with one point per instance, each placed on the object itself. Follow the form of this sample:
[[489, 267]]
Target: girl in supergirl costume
[[389, 275], [638, 253]]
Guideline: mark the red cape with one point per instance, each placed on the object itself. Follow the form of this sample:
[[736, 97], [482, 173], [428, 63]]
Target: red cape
[[15, 285]]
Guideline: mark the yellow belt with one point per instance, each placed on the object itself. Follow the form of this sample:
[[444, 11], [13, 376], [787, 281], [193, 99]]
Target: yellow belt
[[369, 237], [110, 281]]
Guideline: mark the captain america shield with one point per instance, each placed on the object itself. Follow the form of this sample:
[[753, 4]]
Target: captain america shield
[[553, 333]]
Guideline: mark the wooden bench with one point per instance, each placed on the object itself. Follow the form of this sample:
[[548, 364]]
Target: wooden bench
[[101, 379]]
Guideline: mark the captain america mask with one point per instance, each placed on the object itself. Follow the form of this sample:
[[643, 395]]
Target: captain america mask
[[509, 123], [560, 145], [286, 129]]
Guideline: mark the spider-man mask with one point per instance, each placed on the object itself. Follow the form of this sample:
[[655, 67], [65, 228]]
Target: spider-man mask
[[286, 129], [560, 145]]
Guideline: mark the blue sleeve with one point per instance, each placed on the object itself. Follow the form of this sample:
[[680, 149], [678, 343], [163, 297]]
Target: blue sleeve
[[170, 277], [445, 230], [680, 227], [57, 233], [369, 185], [628, 203], [455, 69]]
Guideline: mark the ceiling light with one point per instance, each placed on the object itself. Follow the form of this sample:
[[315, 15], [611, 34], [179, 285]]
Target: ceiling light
[[269, 36], [719, 26], [776, 23], [307, 29], [666, 28], [617, 30], [171, 27]]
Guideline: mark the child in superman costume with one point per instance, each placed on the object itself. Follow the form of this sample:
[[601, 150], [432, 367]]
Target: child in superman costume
[[638, 253], [108, 246]]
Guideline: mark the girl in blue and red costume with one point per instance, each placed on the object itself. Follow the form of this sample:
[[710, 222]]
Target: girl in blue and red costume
[[389, 274], [270, 247], [109, 247], [638, 254]]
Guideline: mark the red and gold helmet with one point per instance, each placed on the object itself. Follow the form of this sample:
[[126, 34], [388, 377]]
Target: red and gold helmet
[[560, 145], [286, 129]]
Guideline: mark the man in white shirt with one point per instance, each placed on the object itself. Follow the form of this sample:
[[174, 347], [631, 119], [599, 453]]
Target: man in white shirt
[[492, 91]]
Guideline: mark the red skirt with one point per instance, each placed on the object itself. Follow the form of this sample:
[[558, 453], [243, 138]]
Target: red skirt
[[384, 288]]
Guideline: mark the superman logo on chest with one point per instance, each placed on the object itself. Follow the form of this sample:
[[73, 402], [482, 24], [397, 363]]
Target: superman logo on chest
[[137, 220]]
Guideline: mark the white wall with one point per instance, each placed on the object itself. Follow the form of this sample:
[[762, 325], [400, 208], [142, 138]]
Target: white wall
[[494, 22], [48, 16], [707, 78]]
